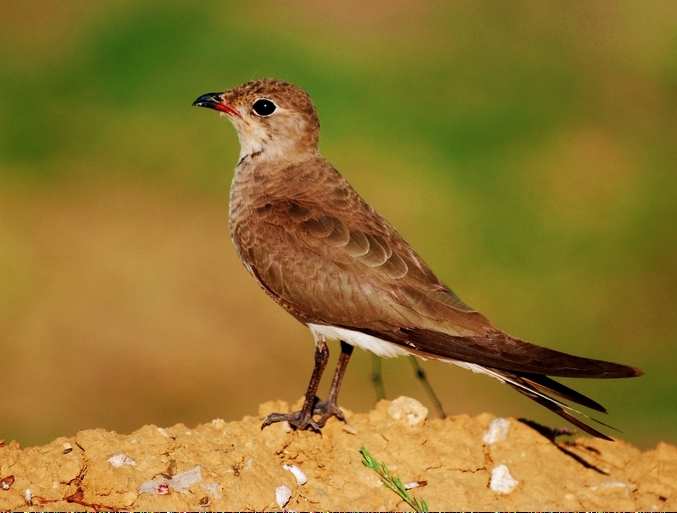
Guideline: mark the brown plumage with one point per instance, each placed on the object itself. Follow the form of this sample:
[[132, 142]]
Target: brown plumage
[[328, 258]]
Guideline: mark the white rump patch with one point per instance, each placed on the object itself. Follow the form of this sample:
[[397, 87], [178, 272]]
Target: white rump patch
[[362, 340], [386, 349]]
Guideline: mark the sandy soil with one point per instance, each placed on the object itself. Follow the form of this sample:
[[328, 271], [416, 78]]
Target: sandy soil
[[461, 462]]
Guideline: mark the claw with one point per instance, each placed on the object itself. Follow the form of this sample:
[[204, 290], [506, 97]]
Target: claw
[[300, 422], [327, 410], [296, 420]]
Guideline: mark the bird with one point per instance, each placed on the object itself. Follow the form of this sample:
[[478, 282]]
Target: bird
[[322, 253]]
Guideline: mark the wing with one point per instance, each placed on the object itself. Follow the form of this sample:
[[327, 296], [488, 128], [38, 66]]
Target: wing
[[338, 262], [347, 267]]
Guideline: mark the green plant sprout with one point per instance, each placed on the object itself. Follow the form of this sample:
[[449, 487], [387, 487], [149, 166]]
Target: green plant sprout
[[392, 482]]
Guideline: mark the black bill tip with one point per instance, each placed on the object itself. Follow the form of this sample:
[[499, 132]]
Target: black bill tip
[[209, 100]]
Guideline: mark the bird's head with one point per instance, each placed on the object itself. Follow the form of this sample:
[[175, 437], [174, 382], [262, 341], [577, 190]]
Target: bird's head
[[273, 119]]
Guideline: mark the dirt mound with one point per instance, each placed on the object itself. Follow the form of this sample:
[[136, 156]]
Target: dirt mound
[[461, 462]]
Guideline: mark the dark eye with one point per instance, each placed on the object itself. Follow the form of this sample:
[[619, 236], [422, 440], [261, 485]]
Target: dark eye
[[264, 107]]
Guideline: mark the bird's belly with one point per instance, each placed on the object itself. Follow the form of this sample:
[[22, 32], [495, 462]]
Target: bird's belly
[[386, 349], [358, 339]]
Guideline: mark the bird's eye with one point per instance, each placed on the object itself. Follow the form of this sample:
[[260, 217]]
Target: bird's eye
[[264, 107]]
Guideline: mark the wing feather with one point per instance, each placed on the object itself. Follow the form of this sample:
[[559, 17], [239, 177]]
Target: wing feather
[[338, 262]]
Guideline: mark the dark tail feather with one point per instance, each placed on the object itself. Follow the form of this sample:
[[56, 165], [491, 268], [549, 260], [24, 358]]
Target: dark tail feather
[[537, 387], [555, 407], [547, 384]]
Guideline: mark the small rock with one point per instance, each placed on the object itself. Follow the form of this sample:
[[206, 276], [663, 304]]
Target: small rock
[[349, 429], [498, 430], [282, 495], [121, 459], [180, 482], [7, 482], [501, 480], [407, 408], [185, 480], [298, 473], [219, 423]]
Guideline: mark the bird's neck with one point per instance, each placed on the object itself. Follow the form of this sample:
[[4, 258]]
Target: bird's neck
[[273, 153]]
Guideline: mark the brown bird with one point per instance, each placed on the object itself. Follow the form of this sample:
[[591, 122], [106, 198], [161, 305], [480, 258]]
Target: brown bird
[[329, 259]]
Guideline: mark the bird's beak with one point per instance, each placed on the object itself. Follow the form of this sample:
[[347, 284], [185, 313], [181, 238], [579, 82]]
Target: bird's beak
[[214, 101]]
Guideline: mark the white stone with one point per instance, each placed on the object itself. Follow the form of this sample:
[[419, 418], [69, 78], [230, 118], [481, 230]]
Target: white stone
[[180, 482], [121, 459], [501, 480], [300, 476], [498, 430], [282, 495]]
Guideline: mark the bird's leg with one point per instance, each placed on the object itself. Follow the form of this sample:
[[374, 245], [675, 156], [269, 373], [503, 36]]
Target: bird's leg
[[329, 408], [304, 419], [377, 377]]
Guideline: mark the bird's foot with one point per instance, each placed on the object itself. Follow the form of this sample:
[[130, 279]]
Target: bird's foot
[[300, 421], [296, 420], [327, 409]]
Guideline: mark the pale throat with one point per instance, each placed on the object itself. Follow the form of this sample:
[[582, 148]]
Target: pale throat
[[253, 140], [258, 141]]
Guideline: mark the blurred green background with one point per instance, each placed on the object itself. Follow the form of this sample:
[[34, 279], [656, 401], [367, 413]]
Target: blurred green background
[[527, 150]]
